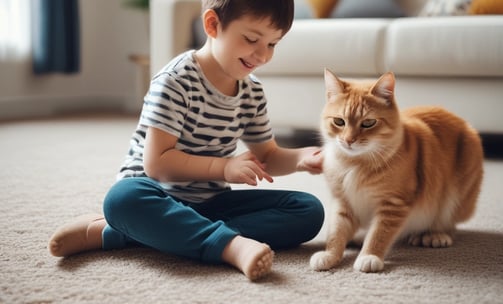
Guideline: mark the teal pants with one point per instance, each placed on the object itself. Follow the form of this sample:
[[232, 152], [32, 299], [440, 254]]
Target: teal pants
[[139, 211]]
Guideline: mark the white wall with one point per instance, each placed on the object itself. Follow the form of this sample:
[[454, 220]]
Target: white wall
[[107, 80]]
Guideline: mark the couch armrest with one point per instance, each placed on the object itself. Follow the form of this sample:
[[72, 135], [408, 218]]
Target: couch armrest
[[170, 29]]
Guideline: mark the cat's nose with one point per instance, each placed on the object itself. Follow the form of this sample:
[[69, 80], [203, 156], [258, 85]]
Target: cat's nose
[[350, 141]]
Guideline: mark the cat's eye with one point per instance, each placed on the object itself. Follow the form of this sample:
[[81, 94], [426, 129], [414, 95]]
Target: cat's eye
[[368, 123], [338, 121]]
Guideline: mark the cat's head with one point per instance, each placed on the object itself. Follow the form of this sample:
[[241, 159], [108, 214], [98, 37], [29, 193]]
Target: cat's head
[[360, 117]]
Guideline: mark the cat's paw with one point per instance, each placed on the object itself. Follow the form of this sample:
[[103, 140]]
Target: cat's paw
[[323, 260], [368, 263], [431, 239]]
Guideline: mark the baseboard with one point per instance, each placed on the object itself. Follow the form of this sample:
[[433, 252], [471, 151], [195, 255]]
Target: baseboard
[[40, 107]]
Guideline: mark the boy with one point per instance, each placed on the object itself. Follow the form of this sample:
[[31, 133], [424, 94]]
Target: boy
[[173, 191]]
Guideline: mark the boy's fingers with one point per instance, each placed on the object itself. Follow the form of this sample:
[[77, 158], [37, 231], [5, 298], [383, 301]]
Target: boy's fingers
[[261, 173], [266, 176], [250, 178], [269, 178]]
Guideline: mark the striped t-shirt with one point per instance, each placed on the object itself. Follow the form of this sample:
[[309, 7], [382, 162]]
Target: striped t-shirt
[[182, 102]]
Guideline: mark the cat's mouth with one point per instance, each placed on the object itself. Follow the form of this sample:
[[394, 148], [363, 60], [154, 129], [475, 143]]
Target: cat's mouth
[[351, 149], [347, 147]]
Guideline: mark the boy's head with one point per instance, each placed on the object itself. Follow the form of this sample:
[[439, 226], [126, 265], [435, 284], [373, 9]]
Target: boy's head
[[280, 12]]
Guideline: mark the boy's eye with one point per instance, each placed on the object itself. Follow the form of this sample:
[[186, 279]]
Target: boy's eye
[[368, 123], [249, 40]]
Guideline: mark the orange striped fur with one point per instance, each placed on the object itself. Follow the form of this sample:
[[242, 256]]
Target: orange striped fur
[[411, 174]]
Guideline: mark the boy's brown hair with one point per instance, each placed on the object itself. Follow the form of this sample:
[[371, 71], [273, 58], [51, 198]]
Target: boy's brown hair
[[279, 11]]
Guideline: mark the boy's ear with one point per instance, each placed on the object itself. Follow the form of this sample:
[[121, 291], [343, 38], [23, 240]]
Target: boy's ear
[[210, 23]]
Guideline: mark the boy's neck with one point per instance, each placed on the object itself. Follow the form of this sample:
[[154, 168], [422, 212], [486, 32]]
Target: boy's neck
[[214, 73]]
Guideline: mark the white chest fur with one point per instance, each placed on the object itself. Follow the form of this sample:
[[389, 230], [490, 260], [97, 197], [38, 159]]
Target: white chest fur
[[349, 188], [345, 184]]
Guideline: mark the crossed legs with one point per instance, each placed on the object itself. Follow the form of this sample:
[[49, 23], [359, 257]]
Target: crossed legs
[[138, 210]]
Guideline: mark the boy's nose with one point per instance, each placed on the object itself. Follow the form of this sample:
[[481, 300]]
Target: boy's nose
[[261, 55]]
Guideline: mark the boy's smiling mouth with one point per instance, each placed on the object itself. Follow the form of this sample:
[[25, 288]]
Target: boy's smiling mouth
[[247, 64]]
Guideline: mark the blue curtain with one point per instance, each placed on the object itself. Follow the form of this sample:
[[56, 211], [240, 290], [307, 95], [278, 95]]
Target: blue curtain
[[56, 36]]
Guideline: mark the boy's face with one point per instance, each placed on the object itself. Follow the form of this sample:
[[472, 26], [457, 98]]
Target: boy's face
[[244, 45]]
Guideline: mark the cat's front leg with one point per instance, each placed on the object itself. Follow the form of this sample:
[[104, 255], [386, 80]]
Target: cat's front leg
[[341, 230], [389, 219]]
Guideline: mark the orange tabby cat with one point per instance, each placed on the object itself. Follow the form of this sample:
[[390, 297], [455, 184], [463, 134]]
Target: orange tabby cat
[[394, 174]]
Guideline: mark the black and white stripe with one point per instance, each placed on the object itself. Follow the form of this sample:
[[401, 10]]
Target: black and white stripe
[[182, 102]]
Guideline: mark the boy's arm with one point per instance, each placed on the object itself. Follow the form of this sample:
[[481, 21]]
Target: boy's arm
[[281, 161], [166, 164]]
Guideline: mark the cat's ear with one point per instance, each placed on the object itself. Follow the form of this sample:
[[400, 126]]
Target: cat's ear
[[385, 87], [333, 85]]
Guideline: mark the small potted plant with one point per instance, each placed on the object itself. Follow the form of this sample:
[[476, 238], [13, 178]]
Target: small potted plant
[[140, 4]]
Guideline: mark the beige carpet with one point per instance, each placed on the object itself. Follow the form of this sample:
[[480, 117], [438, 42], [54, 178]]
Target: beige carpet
[[53, 170]]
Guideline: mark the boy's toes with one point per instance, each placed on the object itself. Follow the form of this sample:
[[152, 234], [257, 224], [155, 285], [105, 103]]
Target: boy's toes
[[261, 266]]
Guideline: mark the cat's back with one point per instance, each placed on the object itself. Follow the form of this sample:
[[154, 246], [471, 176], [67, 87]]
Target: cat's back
[[440, 126], [434, 117]]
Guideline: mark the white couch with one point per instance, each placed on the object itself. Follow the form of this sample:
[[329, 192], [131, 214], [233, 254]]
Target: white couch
[[455, 62]]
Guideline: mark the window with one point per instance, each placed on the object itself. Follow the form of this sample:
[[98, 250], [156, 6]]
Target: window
[[14, 30]]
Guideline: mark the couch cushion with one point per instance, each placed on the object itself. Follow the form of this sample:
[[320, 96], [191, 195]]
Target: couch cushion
[[322, 8], [489, 7], [303, 10], [445, 46], [347, 46], [367, 9], [445, 8], [411, 8]]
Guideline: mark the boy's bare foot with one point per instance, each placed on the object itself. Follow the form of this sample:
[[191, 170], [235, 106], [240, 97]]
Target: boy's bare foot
[[82, 234], [253, 258]]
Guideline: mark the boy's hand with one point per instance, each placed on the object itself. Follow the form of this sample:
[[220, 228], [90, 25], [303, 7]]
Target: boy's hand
[[311, 160], [245, 169]]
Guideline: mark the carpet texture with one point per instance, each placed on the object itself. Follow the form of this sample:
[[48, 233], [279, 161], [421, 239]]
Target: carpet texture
[[54, 170]]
